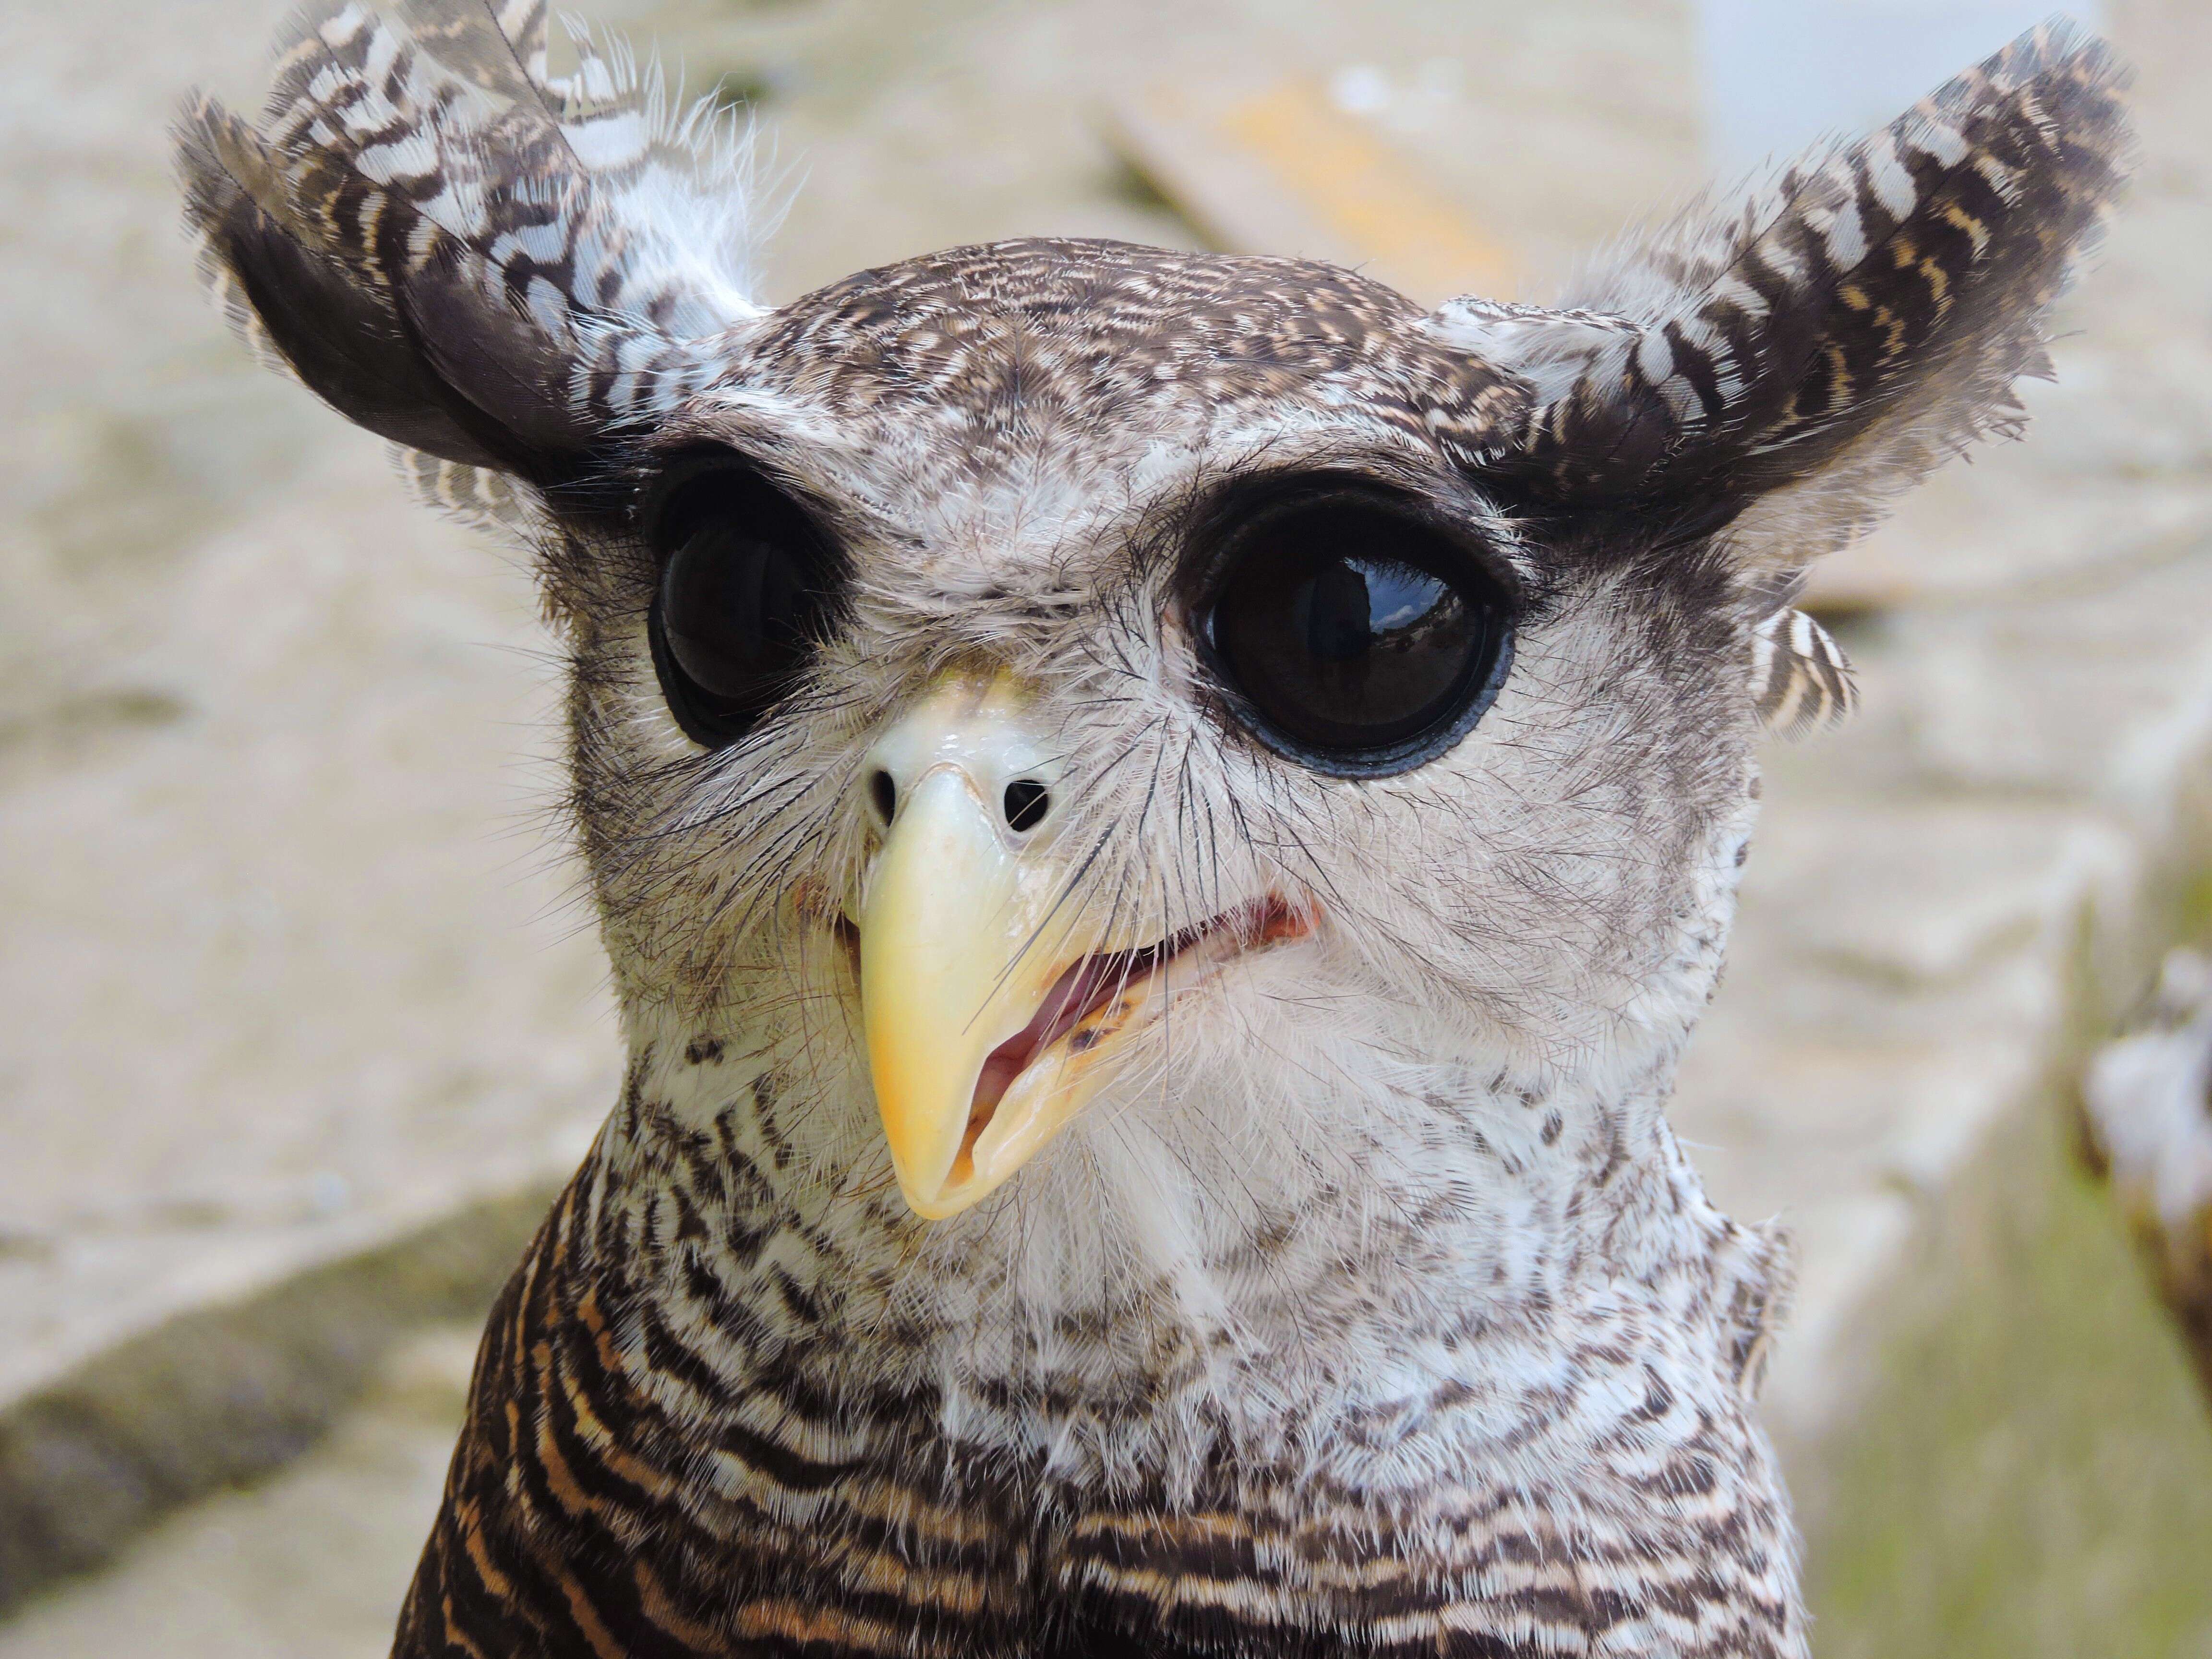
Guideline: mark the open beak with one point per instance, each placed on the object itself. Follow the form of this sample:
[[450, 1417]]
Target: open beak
[[972, 957], [989, 996]]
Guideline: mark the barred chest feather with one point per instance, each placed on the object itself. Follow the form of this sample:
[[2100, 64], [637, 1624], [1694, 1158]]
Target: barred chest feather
[[717, 1424]]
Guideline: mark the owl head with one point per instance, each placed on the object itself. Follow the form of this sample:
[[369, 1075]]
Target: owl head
[[1061, 725]]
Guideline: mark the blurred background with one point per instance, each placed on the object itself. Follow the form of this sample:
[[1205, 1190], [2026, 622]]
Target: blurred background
[[301, 1018]]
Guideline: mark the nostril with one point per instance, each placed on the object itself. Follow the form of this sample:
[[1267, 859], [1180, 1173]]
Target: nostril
[[884, 794], [1026, 804]]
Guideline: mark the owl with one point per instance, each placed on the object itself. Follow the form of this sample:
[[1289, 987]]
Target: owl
[[1161, 822]]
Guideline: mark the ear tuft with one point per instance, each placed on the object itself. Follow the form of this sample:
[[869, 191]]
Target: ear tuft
[[1837, 333], [495, 270]]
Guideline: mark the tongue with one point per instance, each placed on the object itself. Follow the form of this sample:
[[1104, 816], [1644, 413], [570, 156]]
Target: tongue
[[1083, 987], [1088, 984]]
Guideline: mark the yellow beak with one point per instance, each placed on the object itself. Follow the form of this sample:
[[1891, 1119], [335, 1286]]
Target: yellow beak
[[972, 954]]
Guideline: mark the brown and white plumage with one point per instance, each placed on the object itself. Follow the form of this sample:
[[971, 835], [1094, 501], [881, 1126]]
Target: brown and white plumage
[[1350, 1293], [1800, 678], [474, 262]]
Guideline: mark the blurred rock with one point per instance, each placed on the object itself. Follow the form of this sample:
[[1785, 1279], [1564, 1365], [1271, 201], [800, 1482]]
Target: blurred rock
[[2147, 1102], [309, 1566]]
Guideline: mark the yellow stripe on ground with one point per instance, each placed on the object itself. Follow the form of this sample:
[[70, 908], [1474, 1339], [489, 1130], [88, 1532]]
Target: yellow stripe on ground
[[1365, 194]]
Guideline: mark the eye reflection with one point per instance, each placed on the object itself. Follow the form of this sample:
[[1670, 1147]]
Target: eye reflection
[[1355, 602]]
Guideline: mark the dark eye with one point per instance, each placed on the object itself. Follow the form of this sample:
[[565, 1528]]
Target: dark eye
[[746, 588], [1360, 640]]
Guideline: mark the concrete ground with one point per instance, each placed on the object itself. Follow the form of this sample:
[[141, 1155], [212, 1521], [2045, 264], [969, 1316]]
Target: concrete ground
[[298, 996], [311, 1563]]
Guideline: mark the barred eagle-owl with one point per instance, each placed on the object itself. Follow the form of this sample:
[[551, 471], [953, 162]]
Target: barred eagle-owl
[[1161, 822]]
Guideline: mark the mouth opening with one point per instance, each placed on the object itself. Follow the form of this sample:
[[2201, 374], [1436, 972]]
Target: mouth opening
[[1092, 999]]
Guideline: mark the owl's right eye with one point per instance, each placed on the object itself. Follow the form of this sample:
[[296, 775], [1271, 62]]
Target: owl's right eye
[[746, 586]]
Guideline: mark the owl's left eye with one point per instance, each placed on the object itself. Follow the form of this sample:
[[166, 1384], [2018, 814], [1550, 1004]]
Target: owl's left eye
[[746, 588], [1354, 635]]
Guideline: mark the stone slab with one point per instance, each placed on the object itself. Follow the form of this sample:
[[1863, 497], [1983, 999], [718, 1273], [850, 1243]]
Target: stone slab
[[230, 1389], [310, 1564]]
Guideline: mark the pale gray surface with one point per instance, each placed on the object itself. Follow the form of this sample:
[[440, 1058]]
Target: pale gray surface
[[1946, 895], [291, 958], [290, 963], [311, 1563]]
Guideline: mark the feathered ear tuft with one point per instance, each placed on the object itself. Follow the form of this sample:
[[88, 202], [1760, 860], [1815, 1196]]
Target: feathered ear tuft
[[495, 270], [1794, 360], [1800, 680]]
